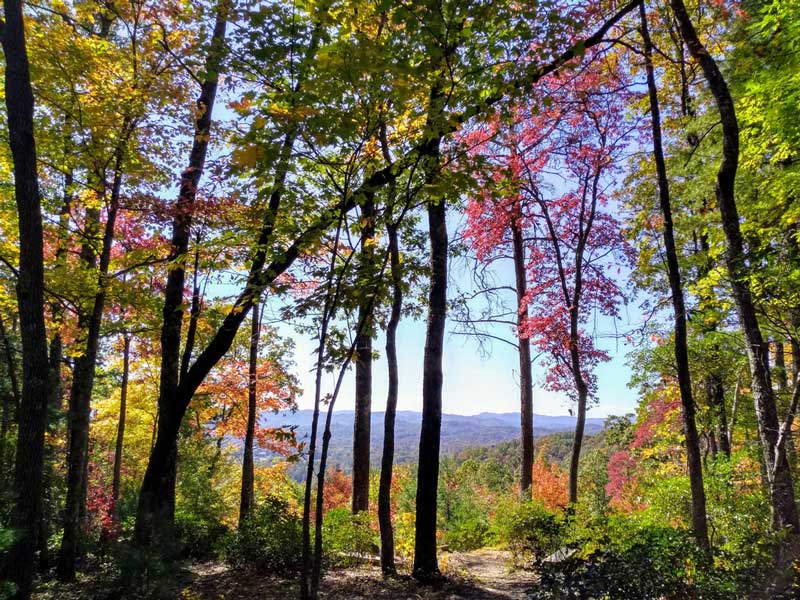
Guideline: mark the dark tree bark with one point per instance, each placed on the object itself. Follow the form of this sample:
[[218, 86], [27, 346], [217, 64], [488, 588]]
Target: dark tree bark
[[712, 382], [248, 499], [57, 310], [525, 367], [194, 312], [715, 392], [387, 459], [20, 563], [123, 406], [572, 301], [316, 573], [11, 401], [426, 564], [326, 436], [83, 384], [780, 367], [775, 459], [692, 442], [363, 360], [156, 508], [328, 310]]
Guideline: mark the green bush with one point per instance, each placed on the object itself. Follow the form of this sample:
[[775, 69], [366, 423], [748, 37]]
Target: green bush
[[269, 541], [347, 539], [627, 556], [140, 573], [529, 530], [467, 534], [7, 588], [199, 537]]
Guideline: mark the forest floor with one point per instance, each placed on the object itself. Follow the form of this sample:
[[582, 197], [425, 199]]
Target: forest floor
[[480, 575], [483, 574]]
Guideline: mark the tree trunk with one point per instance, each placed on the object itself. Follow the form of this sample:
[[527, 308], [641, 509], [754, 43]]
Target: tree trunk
[[716, 398], [387, 460], [50, 450], [156, 508], [83, 386], [363, 391], [329, 308], [123, 405], [693, 457], [426, 565], [25, 514], [11, 401], [525, 367], [248, 500], [780, 478], [780, 366], [577, 443]]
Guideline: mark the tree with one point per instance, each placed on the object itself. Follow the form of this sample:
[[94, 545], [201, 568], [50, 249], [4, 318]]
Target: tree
[[699, 522], [25, 514], [247, 500], [770, 430], [387, 457], [157, 496], [363, 362]]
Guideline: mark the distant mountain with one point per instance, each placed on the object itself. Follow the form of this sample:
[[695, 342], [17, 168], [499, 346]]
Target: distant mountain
[[459, 432]]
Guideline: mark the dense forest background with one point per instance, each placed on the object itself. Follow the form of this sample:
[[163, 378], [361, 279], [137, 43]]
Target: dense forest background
[[187, 188]]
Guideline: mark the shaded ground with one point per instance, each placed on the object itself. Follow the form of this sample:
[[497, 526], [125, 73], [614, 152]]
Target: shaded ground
[[480, 575]]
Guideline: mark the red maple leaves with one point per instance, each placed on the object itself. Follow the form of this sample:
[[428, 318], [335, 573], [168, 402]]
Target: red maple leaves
[[550, 172]]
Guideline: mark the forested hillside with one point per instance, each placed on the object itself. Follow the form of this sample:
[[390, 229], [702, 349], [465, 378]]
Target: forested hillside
[[223, 221], [459, 433]]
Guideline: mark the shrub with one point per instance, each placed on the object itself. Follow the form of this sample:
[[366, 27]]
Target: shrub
[[140, 573], [269, 541], [627, 557], [198, 536], [6, 540], [467, 534], [404, 535], [347, 539], [529, 530]]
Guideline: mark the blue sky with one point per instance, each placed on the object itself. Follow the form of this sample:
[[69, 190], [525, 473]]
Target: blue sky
[[474, 382]]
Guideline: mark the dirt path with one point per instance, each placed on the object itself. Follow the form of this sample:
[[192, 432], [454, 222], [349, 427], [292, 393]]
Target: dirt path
[[491, 572], [479, 575]]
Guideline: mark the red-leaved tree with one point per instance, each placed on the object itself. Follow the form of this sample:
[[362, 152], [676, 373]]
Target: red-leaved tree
[[546, 198]]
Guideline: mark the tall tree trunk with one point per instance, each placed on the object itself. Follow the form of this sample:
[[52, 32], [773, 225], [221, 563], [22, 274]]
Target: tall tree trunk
[[83, 385], [248, 500], [780, 366], [20, 563], [11, 402], [51, 451], [525, 367], [156, 508], [780, 478], [693, 456], [123, 406], [387, 460], [577, 442], [363, 391], [316, 573], [328, 310], [425, 561], [716, 397]]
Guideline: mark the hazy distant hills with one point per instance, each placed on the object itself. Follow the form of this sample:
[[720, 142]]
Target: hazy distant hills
[[458, 432]]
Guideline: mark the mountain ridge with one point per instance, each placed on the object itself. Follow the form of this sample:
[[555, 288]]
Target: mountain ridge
[[459, 432]]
